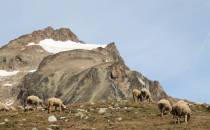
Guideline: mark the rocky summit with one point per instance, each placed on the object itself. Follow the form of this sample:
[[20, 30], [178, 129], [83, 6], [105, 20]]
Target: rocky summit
[[55, 63]]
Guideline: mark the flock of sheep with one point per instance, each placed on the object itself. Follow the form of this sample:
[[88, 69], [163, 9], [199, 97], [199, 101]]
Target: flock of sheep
[[178, 110], [35, 102], [56, 102]]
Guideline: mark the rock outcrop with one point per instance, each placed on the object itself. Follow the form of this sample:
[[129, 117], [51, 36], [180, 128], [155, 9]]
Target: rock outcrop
[[86, 76]]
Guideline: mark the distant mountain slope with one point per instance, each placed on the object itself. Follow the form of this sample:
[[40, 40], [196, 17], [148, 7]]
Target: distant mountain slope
[[52, 62]]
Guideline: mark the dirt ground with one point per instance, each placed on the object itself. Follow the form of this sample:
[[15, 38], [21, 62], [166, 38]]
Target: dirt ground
[[121, 115]]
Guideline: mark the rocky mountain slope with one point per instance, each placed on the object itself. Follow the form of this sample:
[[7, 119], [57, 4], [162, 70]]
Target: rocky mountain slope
[[18, 57], [80, 73]]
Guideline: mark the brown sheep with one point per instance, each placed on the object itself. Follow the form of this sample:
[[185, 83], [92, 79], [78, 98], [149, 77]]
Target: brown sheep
[[181, 109], [164, 106], [56, 102], [3, 107], [145, 94], [34, 101], [136, 95]]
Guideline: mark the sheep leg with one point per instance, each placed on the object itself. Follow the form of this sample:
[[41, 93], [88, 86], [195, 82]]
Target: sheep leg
[[188, 117], [185, 118], [25, 104], [34, 107], [48, 108], [150, 100], [25, 107], [161, 114], [162, 110], [133, 98], [60, 108], [178, 119]]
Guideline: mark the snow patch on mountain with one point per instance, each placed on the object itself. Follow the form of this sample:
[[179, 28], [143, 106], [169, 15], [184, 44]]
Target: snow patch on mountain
[[53, 46], [4, 73], [31, 44]]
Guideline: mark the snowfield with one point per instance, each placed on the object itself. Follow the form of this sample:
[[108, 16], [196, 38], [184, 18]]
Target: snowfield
[[4, 73], [53, 46]]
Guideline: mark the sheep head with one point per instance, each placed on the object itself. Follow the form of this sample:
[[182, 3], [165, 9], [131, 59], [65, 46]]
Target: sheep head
[[63, 107]]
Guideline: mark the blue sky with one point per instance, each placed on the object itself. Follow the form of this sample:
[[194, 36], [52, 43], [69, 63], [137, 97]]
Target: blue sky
[[166, 40]]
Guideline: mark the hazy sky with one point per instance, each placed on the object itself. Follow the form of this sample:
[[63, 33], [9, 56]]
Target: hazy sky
[[166, 40]]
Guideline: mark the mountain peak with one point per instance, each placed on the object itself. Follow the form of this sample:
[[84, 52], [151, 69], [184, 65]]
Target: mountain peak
[[61, 34]]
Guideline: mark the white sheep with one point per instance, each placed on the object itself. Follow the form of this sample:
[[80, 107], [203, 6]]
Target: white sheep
[[178, 102], [56, 102], [3, 107], [136, 94], [145, 94], [164, 106], [181, 109], [34, 101]]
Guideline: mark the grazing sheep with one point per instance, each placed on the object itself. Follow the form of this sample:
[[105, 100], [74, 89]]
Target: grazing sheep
[[181, 101], [3, 107], [34, 101], [145, 94], [136, 95], [181, 109], [56, 102], [178, 102], [164, 106]]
